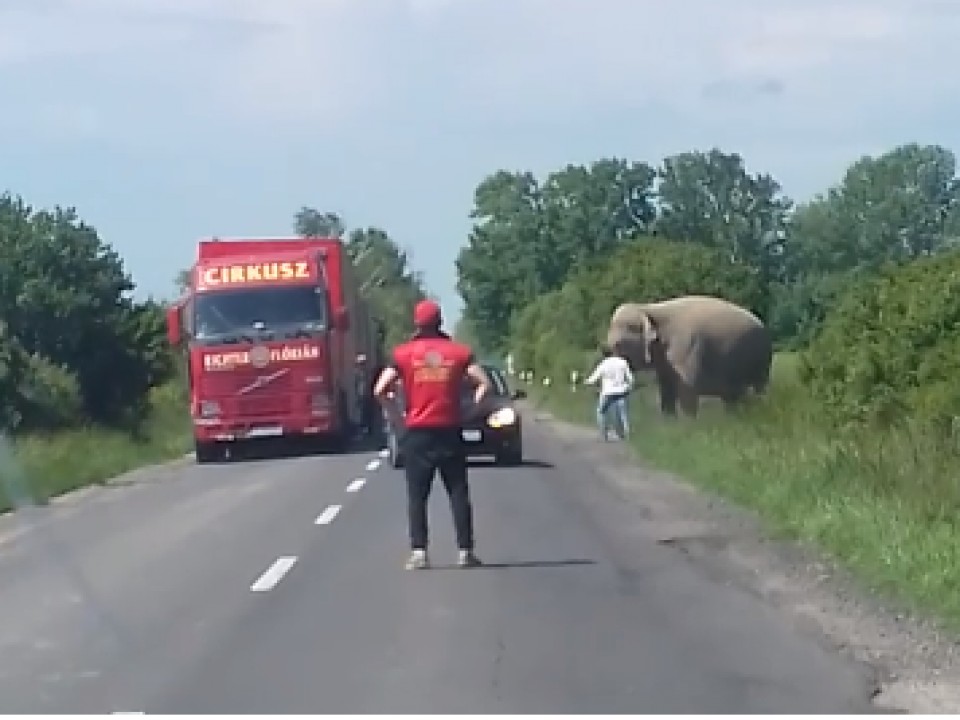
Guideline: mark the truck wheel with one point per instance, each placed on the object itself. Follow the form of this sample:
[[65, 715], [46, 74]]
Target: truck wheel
[[375, 423], [205, 452], [511, 457], [396, 459], [345, 431]]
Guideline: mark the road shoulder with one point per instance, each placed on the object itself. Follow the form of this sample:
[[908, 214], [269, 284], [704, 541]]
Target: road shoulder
[[914, 662]]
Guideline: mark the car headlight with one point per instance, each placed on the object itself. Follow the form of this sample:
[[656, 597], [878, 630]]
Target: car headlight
[[209, 408], [502, 417]]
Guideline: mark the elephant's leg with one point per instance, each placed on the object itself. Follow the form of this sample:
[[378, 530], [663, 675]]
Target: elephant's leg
[[689, 399], [685, 358], [732, 397], [760, 379], [668, 392], [761, 384]]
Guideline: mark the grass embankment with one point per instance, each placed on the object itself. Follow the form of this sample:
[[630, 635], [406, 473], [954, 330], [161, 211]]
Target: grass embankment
[[885, 505], [47, 466]]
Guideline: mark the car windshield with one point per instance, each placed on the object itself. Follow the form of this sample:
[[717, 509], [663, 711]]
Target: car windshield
[[496, 379], [251, 314], [499, 382]]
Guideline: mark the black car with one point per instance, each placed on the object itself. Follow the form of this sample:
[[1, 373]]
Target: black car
[[492, 428]]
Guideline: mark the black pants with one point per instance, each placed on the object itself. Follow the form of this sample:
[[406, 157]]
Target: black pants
[[425, 451]]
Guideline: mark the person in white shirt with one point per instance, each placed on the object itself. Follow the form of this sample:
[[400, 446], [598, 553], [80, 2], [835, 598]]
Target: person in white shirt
[[616, 383]]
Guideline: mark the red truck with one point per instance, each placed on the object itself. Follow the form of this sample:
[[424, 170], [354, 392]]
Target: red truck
[[279, 342]]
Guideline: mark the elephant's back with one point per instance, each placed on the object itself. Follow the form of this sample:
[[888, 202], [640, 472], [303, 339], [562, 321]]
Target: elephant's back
[[711, 316]]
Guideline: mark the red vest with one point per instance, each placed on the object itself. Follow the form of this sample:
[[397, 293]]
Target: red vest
[[432, 371]]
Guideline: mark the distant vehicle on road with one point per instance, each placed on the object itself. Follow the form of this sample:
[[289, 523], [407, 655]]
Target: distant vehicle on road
[[492, 428]]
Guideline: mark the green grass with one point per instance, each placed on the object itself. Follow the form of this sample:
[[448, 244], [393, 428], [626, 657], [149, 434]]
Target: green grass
[[44, 467], [885, 505]]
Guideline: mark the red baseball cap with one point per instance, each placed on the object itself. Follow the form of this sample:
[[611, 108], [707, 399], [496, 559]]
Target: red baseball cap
[[426, 314]]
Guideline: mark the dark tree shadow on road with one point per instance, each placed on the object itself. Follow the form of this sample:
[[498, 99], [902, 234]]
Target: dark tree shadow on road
[[477, 463], [285, 448], [524, 564]]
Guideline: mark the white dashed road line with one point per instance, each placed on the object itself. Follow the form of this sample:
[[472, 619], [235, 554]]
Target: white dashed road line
[[356, 485], [385, 453], [273, 575], [373, 465], [327, 516]]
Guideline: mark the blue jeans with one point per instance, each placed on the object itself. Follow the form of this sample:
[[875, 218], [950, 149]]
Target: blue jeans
[[618, 404]]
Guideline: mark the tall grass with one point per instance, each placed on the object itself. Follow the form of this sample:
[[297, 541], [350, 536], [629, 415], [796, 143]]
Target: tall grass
[[65, 461], [883, 503]]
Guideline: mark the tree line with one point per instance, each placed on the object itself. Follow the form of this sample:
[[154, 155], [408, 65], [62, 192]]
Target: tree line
[[76, 348], [548, 259]]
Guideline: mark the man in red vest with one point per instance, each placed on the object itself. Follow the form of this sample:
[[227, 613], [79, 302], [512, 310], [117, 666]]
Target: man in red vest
[[431, 367]]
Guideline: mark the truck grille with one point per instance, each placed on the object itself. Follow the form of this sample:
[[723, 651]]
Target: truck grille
[[257, 405], [219, 385], [280, 384]]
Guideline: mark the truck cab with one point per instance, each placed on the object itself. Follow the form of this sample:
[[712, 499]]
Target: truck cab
[[275, 340]]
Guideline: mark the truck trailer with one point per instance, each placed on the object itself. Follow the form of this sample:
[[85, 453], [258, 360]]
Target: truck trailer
[[278, 342]]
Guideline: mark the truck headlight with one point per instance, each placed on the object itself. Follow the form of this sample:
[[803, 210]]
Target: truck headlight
[[502, 417], [209, 408]]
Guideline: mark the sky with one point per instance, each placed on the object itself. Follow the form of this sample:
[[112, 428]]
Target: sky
[[163, 121]]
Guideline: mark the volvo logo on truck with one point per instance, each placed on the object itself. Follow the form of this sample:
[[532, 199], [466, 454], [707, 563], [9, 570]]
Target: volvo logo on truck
[[260, 356]]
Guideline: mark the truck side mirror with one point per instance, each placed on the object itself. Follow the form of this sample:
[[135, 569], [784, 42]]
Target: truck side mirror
[[174, 330], [342, 318]]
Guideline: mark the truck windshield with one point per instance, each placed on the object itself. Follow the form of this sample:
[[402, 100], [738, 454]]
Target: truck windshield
[[251, 314]]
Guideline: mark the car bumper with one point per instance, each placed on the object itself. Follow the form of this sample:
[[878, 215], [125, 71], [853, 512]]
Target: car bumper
[[226, 429], [479, 442], [491, 441]]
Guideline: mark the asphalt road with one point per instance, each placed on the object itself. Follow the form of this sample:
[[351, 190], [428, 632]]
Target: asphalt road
[[278, 586]]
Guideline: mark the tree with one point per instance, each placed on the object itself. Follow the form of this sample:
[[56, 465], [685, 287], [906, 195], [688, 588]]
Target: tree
[[382, 268], [66, 302], [890, 348], [709, 198], [386, 280], [892, 208], [182, 282], [497, 272], [589, 211], [310, 222], [12, 371], [896, 207], [528, 238]]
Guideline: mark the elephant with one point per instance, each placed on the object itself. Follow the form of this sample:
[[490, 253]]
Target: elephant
[[698, 346]]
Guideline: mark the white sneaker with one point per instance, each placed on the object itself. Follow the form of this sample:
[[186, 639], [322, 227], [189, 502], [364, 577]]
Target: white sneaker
[[418, 560]]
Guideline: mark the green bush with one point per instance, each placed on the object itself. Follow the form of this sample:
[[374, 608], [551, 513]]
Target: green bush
[[49, 464], [51, 398], [12, 369], [890, 350]]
